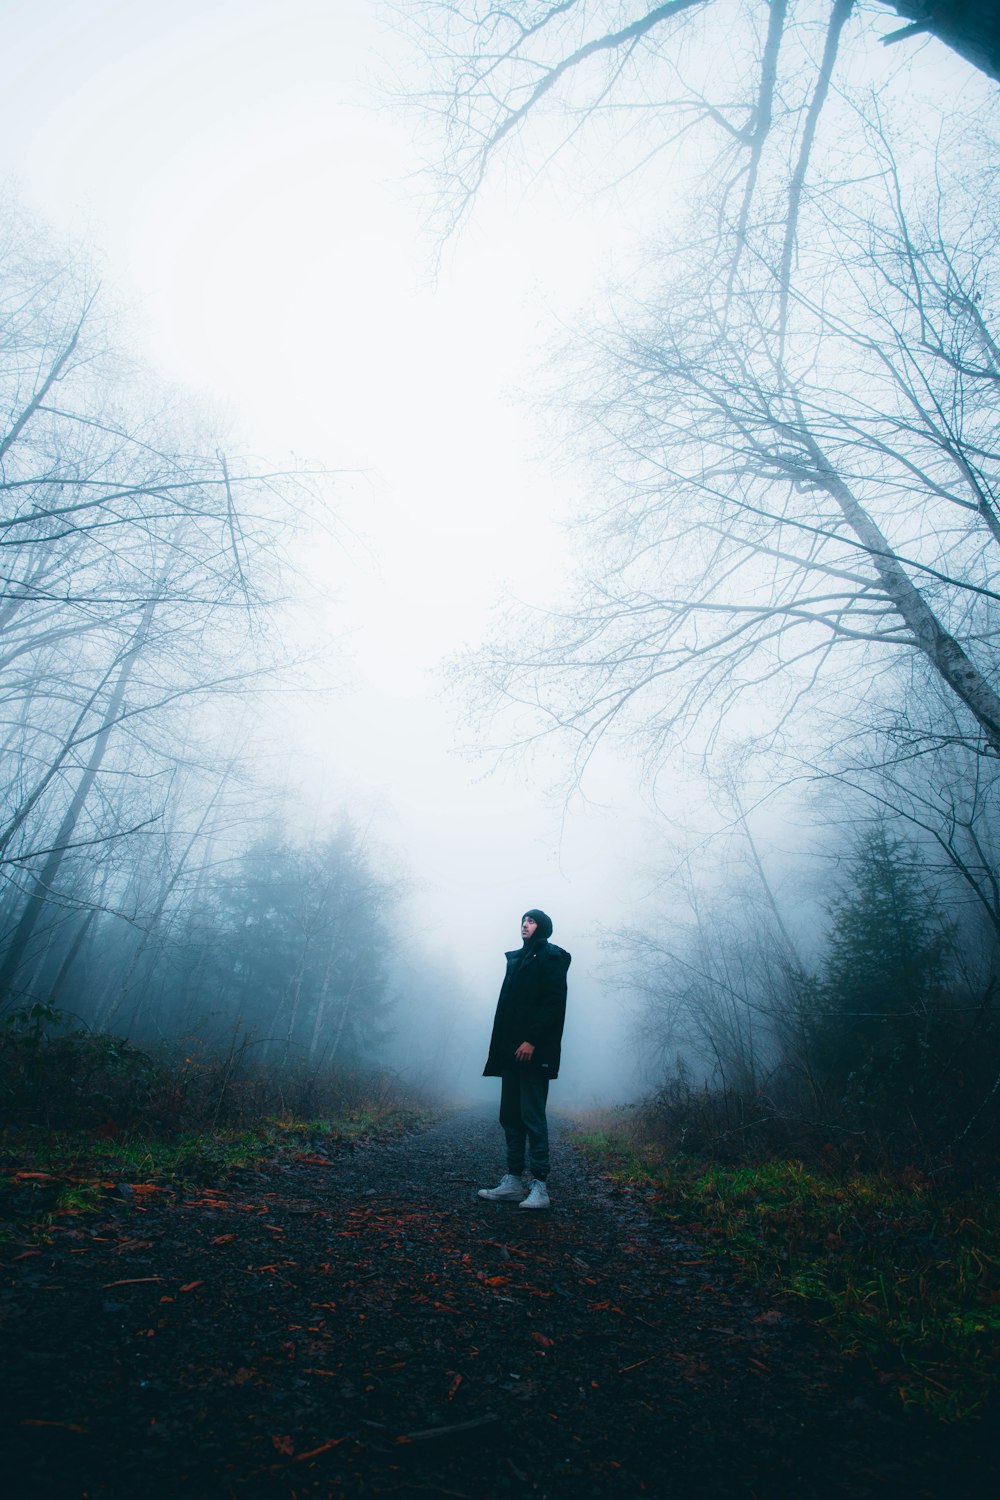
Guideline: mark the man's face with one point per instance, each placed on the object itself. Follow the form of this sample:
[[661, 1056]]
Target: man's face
[[528, 929]]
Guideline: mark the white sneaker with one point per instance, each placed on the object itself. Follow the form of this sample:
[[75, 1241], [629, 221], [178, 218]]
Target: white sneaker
[[538, 1197], [507, 1189]]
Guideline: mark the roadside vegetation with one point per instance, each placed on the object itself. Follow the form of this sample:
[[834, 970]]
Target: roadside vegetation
[[831, 1120], [900, 1266], [91, 1119]]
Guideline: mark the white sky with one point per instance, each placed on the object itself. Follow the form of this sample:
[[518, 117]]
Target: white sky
[[258, 211]]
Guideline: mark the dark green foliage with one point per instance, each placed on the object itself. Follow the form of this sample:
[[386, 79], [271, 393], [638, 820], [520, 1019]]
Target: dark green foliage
[[54, 1079], [878, 1014], [53, 1075], [888, 1052]]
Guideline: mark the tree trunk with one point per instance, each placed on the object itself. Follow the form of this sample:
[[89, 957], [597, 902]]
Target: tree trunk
[[930, 637], [969, 27], [41, 886]]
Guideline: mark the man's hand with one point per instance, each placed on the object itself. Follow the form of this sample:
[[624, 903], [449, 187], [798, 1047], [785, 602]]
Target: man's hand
[[525, 1052]]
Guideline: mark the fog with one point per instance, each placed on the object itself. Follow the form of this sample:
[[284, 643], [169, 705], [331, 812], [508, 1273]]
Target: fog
[[251, 200], [255, 207]]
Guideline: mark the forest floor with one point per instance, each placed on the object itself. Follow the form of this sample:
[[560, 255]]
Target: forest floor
[[360, 1323]]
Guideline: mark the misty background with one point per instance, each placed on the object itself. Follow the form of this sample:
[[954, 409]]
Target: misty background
[[411, 401], [248, 202]]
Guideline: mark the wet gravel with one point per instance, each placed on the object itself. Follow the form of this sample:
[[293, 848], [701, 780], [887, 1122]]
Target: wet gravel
[[366, 1325]]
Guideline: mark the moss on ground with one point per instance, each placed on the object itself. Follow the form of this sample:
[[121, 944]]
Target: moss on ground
[[896, 1266]]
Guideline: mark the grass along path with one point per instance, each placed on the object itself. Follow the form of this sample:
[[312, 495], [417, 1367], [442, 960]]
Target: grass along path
[[354, 1323], [49, 1177], [898, 1268]]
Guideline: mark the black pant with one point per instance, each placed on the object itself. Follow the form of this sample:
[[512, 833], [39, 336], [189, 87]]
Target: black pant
[[522, 1115]]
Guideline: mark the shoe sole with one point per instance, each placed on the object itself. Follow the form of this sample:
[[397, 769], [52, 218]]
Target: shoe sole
[[499, 1197]]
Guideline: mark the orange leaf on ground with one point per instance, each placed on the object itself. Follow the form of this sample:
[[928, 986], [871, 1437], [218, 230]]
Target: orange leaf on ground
[[284, 1444], [454, 1386], [33, 1176], [540, 1338], [130, 1281], [190, 1286], [313, 1452], [222, 1239]]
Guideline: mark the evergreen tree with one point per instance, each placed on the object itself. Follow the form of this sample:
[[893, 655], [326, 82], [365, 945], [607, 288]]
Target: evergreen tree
[[877, 1005]]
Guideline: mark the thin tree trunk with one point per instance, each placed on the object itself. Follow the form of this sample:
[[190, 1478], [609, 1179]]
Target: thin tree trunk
[[111, 1010], [41, 886]]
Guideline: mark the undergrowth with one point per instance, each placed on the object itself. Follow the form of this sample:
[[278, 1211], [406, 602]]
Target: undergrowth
[[898, 1267]]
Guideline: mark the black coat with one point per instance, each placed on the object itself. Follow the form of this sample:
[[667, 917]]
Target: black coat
[[531, 1008]]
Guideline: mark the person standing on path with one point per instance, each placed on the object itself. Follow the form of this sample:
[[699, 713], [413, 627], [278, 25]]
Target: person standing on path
[[524, 1055]]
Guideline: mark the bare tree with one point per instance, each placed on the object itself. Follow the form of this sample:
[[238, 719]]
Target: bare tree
[[138, 566], [749, 81], [716, 981], [918, 772], [788, 510]]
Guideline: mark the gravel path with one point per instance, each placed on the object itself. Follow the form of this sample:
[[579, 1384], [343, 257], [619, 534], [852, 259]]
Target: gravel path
[[365, 1325]]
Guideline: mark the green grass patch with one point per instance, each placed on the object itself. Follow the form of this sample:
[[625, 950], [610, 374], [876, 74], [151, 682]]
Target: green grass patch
[[47, 1175], [896, 1267]]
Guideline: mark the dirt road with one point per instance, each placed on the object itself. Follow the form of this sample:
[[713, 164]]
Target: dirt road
[[365, 1325]]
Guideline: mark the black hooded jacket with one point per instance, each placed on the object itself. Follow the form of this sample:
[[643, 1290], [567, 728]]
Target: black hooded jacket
[[531, 1007]]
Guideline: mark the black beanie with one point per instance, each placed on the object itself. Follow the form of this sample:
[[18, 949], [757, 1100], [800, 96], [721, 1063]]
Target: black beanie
[[544, 925]]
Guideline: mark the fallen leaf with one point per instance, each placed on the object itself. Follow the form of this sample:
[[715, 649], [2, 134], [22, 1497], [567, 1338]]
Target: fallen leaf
[[323, 1447]]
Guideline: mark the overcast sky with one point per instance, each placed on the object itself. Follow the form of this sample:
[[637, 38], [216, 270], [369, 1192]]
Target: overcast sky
[[254, 203]]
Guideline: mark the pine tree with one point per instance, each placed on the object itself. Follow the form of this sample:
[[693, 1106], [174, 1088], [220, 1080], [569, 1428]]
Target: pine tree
[[881, 984]]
